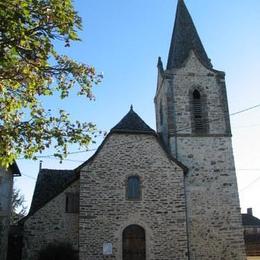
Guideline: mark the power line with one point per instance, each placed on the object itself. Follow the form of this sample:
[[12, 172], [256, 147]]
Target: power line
[[245, 110], [76, 152], [50, 156], [250, 184], [220, 118], [28, 176], [31, 177], [256, 170]]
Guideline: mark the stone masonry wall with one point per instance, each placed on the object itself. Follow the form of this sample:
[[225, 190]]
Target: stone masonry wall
[[105, 212], [215, 229], [51, 224], [6, 188]]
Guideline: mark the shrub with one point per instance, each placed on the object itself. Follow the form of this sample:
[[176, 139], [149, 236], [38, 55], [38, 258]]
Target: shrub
[[58, 251]]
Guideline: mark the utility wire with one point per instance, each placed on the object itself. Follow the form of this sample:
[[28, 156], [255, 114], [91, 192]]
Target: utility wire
[[220, 118], [255, 170], [245, 110], [28, 176], [51, 156], [250, 184], [187, 128], [77, 152]]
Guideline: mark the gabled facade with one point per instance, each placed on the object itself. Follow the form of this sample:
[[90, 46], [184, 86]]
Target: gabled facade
[[110, 203], [132, 149]]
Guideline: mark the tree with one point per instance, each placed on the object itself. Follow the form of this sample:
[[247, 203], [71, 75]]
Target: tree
[[31, 68], [18, 209]]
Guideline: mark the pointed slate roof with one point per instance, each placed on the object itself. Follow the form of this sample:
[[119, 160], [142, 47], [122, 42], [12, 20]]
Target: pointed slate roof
[[184, 39], [132, 123], [49, 183]]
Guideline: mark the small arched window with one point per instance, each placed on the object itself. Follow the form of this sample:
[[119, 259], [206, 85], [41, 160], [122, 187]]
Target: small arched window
[[133, 188], [197, 107]]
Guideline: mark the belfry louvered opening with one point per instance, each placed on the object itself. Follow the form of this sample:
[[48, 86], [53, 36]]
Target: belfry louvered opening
[[199, 120]]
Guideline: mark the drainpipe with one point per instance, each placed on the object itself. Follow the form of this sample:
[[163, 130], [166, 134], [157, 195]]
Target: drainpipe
[[187, 221], [184, 179]]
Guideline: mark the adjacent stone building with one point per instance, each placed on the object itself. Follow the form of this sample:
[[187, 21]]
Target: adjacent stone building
[[145, 194], [49, 220], [251, 226], [6, 189]]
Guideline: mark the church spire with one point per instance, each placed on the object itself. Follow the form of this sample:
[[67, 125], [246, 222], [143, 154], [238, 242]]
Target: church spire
[[184, 39]]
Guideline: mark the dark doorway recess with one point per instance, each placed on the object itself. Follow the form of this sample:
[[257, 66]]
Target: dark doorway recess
[[134, 243]]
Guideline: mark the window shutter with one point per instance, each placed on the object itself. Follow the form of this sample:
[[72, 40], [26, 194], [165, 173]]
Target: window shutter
[[199, 121]]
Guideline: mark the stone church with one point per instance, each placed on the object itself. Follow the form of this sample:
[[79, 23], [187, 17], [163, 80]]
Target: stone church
[[149, 195]]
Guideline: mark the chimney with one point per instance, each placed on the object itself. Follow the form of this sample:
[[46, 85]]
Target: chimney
[[250, 211], [40, 166]]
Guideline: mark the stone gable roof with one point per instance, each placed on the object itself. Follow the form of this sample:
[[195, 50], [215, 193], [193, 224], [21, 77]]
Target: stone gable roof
[[50, 183], [184, 39], [133, 123], [249, 220]]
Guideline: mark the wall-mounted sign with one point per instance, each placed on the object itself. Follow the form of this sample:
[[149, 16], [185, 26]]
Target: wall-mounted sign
[[107, 249]]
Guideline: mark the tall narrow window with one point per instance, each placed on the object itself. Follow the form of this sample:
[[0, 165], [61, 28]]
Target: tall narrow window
[[72, 203], [198, 120], [133, 188], [161, 113]]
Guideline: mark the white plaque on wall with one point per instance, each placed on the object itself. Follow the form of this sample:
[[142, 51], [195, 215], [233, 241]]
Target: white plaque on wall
[[107, 249]]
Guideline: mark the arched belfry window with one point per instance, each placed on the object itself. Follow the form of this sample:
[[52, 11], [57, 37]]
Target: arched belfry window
[[133, 188], [198, 113], [134, 243]]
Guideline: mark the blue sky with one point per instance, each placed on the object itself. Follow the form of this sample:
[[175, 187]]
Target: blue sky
[[123, 39]]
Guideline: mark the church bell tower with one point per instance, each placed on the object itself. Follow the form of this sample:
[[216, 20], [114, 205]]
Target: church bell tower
[[192, 118]]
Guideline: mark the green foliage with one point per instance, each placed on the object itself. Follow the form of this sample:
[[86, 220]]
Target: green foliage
[[59, 251], [31, 68], [18, 208]]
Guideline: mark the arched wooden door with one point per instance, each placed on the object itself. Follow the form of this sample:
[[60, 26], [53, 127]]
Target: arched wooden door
[[134, 243]]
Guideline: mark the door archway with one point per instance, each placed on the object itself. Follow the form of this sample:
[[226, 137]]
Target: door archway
[[134, 243]]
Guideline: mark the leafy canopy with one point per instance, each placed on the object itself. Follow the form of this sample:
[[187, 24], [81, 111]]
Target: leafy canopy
[[31, 68]]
